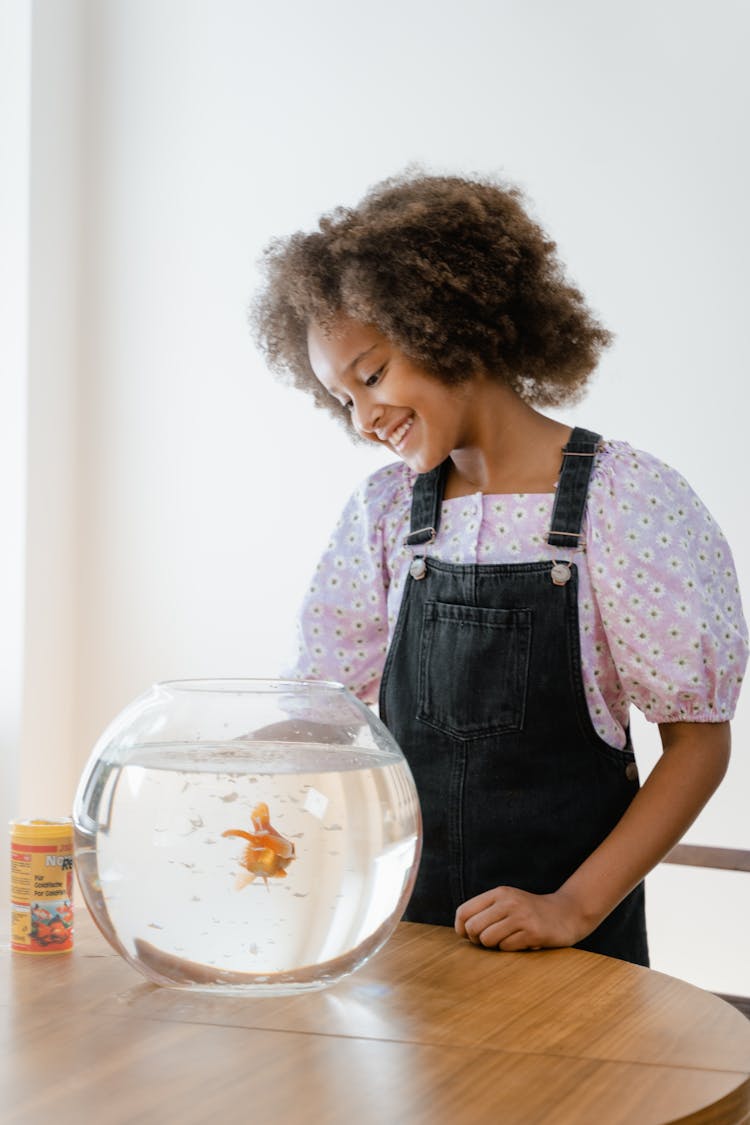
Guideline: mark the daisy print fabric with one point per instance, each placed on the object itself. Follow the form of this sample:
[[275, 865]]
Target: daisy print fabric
[[660, 616]]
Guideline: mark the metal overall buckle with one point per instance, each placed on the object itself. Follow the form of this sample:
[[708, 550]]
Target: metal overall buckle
[[421, 538]]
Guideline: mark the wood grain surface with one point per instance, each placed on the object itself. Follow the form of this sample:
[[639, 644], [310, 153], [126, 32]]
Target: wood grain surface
[[432, 1030]]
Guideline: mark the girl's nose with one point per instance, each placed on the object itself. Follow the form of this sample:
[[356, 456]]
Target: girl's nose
[[367, 416]]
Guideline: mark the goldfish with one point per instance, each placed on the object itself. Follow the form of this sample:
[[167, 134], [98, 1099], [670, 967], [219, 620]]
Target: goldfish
[[268, 853], [53, 934]]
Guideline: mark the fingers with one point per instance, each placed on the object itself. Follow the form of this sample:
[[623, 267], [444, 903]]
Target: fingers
[[504, 918], [493, 927], [474, 906], [505, 934]]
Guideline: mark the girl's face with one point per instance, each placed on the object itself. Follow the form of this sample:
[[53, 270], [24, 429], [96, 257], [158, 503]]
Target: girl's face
[[391, 399]]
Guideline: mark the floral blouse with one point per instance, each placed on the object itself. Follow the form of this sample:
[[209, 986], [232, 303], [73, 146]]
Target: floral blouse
[[660, 616]]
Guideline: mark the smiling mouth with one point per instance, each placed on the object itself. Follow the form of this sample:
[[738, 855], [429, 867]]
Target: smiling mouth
[[398, 436]]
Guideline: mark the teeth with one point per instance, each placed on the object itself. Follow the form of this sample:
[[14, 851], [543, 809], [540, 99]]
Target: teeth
[[398, 435]]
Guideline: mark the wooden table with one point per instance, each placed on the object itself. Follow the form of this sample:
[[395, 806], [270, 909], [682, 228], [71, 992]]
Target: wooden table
[[431, 1030]]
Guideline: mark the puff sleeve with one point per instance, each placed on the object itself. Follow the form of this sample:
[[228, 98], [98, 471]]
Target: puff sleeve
[[342, 626], [664, 581]]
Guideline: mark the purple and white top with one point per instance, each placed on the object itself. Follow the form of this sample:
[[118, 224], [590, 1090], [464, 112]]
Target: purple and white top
[[660, 615]]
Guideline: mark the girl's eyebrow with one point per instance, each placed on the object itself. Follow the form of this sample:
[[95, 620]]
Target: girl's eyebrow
[[361, 356]]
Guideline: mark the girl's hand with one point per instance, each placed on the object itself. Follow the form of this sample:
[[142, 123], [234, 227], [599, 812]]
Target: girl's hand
[[693, 763], [509, 919]]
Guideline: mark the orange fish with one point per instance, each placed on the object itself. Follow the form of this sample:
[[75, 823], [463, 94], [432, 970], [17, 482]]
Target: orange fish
[[65, 913], [267, 854]]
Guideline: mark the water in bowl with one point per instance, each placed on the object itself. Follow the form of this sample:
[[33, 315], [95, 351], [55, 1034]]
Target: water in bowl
[[178, 897]]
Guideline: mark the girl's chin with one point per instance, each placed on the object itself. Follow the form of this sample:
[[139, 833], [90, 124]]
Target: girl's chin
[[414, 454], [419, 463]]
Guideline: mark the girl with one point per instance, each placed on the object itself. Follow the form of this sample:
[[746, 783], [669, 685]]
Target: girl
[[509, 587]]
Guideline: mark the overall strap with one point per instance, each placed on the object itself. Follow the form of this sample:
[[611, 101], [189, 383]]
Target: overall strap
[[426, 503], [572, 487]]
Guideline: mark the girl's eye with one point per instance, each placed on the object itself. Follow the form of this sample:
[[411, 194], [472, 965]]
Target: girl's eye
[[372, 380]]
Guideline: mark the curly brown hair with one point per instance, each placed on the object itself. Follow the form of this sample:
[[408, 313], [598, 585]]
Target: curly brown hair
[[451, 270]]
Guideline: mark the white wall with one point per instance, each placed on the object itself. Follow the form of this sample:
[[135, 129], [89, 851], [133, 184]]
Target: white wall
[[15, 115], [54, 351], [203, 492]]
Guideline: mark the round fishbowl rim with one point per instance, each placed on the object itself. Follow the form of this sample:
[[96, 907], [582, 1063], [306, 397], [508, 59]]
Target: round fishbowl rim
[[248, 684]]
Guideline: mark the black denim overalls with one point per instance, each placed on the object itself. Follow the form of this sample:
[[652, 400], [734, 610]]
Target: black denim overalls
[[482, 689]]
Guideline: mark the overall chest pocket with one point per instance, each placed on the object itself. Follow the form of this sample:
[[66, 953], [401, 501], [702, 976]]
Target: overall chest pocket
[[473, 669]]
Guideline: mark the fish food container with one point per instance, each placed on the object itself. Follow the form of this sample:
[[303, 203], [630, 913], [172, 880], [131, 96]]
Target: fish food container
[[247, 836], [41, 869]]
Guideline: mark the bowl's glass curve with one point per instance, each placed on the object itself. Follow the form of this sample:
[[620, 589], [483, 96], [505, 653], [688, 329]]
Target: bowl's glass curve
[[247, 836]]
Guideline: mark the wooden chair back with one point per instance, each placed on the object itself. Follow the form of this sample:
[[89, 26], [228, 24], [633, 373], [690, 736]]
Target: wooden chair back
[[723, 859]]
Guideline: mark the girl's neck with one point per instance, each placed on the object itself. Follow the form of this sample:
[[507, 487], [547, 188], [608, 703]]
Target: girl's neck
[[511, 447]]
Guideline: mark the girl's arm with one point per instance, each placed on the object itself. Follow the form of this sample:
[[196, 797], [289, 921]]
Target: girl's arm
[[691, 767]]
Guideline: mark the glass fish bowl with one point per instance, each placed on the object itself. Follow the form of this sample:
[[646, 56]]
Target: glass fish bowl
[[247, 836]]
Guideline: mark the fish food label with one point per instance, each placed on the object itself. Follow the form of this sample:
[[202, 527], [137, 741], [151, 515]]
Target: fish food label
[[41, 896]]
